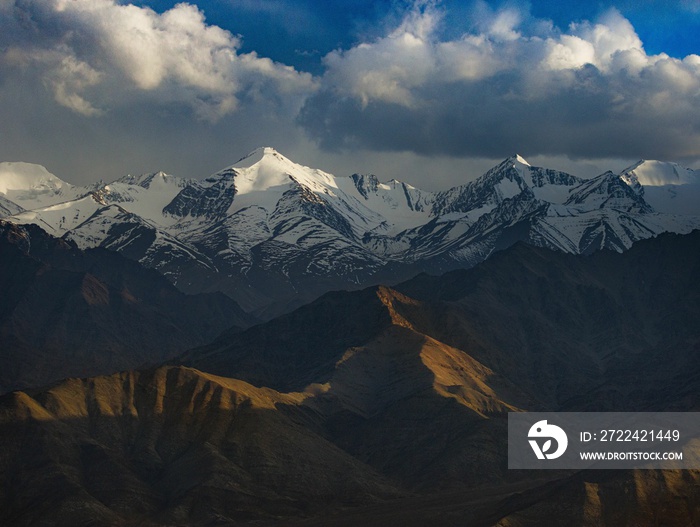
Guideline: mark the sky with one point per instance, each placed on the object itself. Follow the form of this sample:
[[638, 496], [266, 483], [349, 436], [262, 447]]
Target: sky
[[429, 92]]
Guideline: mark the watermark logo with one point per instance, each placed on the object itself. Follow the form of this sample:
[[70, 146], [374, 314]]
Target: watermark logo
[[603, 440], [541, 430]]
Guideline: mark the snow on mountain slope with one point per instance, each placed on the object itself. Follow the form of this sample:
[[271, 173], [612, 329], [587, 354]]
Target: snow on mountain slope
[[613, 229], [146, 195], [125, 215], [607, 191], [264, 176], [283, 217], [117, 229], [260, 179], [602, 212], [674, 199], [8, 208], [266, 179], [563, 228], [506, 180], [47, 199], [658, 173], [401, 205], [550, 185], [266, 230], [266, 212], [32, 186], [61, 218], [667, 187]]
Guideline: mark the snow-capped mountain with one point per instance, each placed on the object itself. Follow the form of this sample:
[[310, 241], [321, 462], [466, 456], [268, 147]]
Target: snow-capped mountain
[[269, 231], [667, 187], [146, 195], [504, 181], [607, 191], [659, 173], [29, 186]]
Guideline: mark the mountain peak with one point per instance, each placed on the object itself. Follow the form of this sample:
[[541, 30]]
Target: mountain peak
[[520, 159], [260, 179], [654, 173], [608, 190], [27, 176], [31, 186], [148, 179], [256, 156]]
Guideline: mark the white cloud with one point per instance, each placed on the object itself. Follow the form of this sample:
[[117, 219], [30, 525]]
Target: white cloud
[[612, 35], [116, 86], [504, 25], [471, 58], [411, 57], [568, 51], [391, 67], [592, 86], [98, 54], [68, 77]]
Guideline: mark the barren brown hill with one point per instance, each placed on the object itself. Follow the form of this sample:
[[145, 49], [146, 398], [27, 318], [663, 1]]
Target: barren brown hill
[[528, 329], [171, 446], [569, 332], [175, 446]]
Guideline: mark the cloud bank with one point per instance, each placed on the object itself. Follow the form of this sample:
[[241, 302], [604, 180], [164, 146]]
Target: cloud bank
[[98, 55], [103, 83], [513, 84]]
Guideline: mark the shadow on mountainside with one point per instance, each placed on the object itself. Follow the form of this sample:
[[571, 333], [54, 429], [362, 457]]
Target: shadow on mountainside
[[175, 446]]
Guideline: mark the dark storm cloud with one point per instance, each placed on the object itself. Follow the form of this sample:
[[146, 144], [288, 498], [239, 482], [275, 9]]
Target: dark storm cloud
[[591, 92], [594, 117]]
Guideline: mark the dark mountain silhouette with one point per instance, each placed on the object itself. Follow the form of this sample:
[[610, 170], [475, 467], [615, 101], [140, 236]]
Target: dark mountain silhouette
[[561, 328], [170, 446], [386, 406], [67, 312]]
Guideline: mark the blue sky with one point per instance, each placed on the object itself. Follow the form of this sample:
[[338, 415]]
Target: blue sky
[[432, 92], [301, 32]]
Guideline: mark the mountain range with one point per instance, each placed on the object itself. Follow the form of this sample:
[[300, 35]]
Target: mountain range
[[394, 331], [383, 406], [273, 235]]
